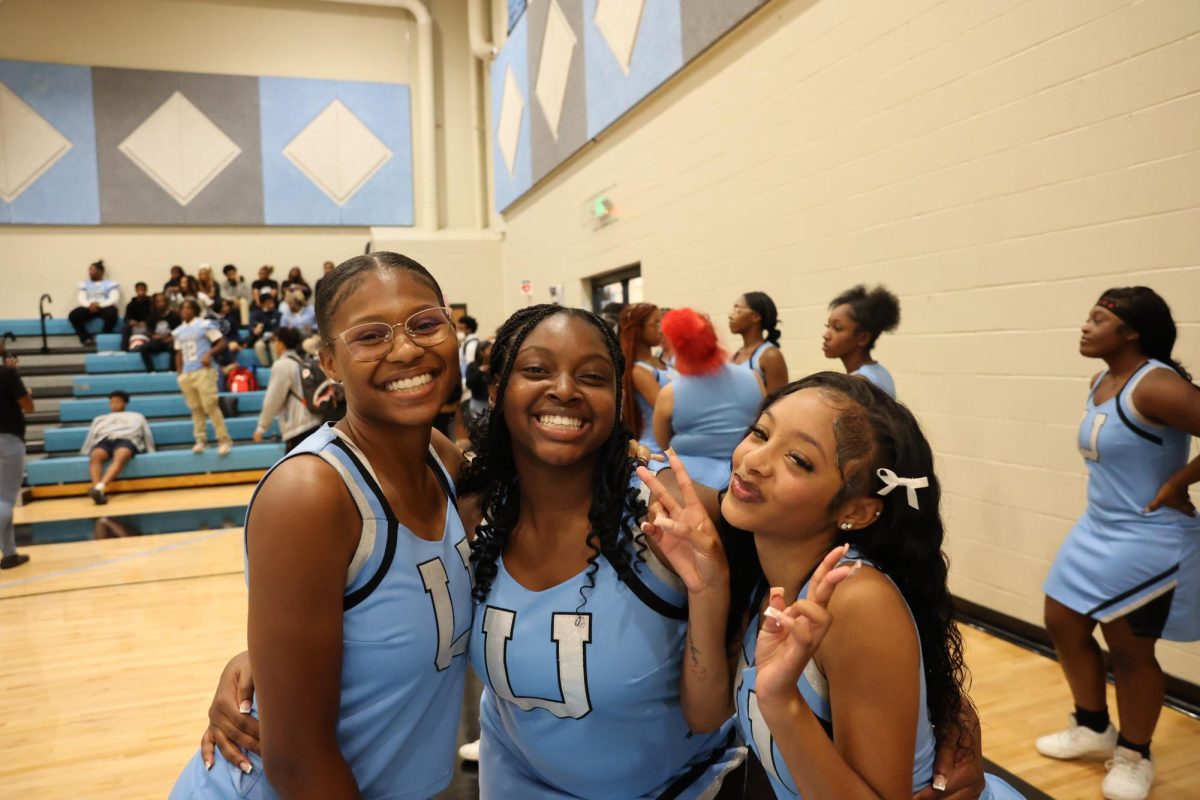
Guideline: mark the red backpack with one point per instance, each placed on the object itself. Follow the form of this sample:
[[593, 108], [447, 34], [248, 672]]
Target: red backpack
[[242, 379]]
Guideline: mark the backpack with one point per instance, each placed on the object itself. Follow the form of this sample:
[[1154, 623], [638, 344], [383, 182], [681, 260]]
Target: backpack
[[319, 394], [242, 379]]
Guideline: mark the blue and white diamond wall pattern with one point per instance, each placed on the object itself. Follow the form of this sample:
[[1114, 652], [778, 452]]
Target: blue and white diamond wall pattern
[[180, 149], [337, 152], [47, 145], [29, 145], [554, 67], [618, 21], [508, 131]]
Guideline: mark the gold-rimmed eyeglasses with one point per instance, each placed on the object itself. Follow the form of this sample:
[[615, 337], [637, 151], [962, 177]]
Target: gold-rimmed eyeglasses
[[372, 341]]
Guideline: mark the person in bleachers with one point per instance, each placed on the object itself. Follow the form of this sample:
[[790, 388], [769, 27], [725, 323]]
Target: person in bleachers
[[196, 341], [15, 402], [296, 314], [264, 321], [159, 324], [173, 281], [98, 297], [265, 285], [117, 436], [285, 394], [235, 288], [327, 268], [295, 283], [190, 290], [171, 287], [207, 284], [137, 311]]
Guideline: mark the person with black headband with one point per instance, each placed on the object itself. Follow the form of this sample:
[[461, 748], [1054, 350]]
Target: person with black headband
[[755, 318], [1132, 562]]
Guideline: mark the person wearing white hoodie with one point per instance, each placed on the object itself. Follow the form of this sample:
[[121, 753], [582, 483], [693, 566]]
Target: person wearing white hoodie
[[285, 393]]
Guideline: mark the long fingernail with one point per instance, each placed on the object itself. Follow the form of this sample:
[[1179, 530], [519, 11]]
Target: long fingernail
[[244, 707], [939, 782], [857, 566], [845, 548], [773, 613], [776, 591], [246, 768], [208, 764]]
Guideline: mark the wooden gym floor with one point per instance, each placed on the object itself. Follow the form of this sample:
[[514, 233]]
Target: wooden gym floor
[[111, 650]]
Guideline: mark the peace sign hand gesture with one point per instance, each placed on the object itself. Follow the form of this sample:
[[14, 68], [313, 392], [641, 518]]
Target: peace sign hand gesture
[[790, 636], [683, 533]]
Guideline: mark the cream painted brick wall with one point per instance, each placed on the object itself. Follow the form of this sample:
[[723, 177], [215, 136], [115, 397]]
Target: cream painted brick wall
[[997, 164]]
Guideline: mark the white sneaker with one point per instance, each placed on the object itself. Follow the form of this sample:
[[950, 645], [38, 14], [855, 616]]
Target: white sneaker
[[1076, 741], [224, 448], [469, 751], [1129, 776], [198, 448]]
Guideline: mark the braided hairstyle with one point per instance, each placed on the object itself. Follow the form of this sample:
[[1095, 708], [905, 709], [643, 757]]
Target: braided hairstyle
[[874, 431], [616, 507], [762, 304], [1144, 311], [876, 311], [629, 332]]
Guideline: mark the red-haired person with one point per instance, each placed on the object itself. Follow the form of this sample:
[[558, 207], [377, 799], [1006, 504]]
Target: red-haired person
[[704, 413]]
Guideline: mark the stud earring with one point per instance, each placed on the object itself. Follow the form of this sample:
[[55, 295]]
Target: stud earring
[[847, 526]]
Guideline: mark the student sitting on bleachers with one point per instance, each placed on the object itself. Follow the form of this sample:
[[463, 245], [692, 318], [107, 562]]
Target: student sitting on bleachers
[[295, 283], [161, 322], [137, 311], [119, 435], [235, 288], [264, 321], [98, 297], [196, 341], [285, 394], [265, 286], [171, 287], [295, 314]]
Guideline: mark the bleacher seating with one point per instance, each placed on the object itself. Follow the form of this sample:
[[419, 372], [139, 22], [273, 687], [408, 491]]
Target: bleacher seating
[[48, 471], [99, 385], [54, 327], [99, 363], [151, 406], [166, 433]]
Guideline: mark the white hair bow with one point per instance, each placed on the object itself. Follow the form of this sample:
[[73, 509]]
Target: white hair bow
[[891, 480]]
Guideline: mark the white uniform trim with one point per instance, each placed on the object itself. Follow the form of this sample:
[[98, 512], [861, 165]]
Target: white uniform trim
[[1129, 390], [1134, 605]]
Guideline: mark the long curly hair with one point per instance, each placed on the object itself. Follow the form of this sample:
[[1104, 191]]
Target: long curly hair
[[616, 507], [874, 431], [629, 334]]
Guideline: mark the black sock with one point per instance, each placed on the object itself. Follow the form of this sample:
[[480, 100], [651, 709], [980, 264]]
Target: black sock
[[1096, 720], [1144, 749]]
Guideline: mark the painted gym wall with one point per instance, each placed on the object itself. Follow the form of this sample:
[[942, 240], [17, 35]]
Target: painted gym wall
[[292, 38], [997, 164]]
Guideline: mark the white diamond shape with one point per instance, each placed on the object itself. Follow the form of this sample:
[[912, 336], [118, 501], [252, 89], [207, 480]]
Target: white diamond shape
[[555, 65], [29, 145], [508, 129], [337, 152], [618, 22], [180, 148]]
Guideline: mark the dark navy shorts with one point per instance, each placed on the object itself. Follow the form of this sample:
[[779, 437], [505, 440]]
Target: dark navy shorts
[[110, 446]]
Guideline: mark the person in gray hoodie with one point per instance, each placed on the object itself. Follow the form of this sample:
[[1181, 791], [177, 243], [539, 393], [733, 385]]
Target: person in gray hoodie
[[285, 393]]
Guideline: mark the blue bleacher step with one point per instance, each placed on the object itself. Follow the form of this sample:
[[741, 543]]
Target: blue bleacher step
[[50, 471], [105, 363], [111, 342], [152, 406], [57, 326], [69, 440], [136, 383]]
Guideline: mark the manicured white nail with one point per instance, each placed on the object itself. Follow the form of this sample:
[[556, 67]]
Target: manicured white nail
[[246, 768], [776, 591], [939, 782], [857, 566], [244, 707], [773, 613]]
